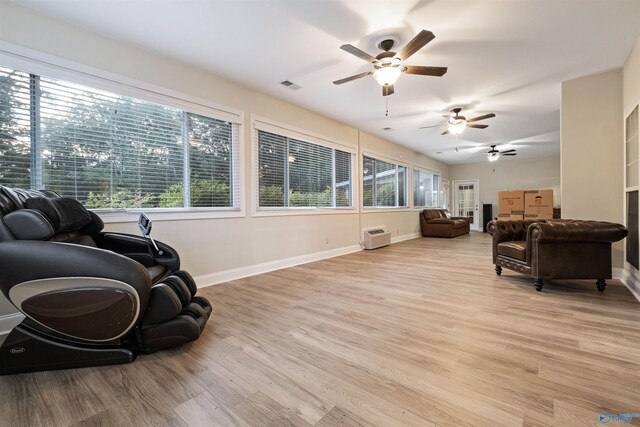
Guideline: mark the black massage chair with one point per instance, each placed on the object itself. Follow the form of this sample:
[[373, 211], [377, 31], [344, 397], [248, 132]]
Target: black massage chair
[[89, 297]]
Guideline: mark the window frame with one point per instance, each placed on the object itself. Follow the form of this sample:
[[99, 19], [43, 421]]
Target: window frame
[[259, 123], [49, 66], [408, 183], [424, 169]]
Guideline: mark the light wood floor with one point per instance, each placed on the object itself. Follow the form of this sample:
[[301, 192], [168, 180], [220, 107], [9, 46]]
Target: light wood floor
[[419, 333]]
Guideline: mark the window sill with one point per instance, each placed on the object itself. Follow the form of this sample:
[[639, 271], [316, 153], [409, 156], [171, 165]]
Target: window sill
[[368, 210], [132, 215], [262, 212]]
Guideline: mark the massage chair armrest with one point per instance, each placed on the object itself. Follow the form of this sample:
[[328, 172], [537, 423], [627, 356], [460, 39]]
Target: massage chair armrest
[[576, 231], [139, 249], [23, 261]]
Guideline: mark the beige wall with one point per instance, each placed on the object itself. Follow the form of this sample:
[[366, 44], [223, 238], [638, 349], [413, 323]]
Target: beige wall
[[592, 151], [631, 79], [510, 174], [209, 246]]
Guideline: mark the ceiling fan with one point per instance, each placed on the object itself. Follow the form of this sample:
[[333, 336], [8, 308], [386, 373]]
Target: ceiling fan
[[389, 65], [493, 154], [456, 124]]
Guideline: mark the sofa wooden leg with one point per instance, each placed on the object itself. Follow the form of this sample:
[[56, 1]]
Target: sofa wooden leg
[[538, 284], [498, 270], [601, 284]]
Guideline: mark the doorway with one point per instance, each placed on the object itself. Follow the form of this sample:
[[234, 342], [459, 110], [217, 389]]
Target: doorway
[[465, 201]]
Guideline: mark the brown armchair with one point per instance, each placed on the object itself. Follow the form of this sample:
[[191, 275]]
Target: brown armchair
[[556, 249], [434, 223]]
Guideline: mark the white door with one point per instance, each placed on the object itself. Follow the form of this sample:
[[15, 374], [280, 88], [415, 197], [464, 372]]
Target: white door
[[465, 201]]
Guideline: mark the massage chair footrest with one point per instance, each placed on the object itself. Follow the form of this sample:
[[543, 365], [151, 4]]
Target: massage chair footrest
[[174, 315], [186, 327]]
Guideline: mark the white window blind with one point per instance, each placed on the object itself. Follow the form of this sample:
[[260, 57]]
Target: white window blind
[[426, 187], [111, 151], [294, 173], [384, 183]]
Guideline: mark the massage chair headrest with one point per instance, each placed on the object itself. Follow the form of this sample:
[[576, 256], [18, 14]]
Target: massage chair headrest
[[40, 214]]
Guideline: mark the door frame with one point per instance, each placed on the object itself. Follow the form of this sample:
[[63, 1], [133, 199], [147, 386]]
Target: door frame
[[476, 196]]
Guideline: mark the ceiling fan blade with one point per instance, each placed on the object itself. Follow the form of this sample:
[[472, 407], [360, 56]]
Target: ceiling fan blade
[[508, 151], [434, 126], [348, 79], [486, 116], [415, 44], [477, 126], [445, 132], [509, 154], [425, 71], [387, 90], [359, 53]]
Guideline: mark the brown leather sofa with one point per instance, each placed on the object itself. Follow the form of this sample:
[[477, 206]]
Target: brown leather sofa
[[434, 223], [555, 249]]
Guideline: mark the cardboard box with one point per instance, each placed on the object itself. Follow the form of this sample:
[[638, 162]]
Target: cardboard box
[[536, 217], [511, 202], [510, 217], [538, 203]]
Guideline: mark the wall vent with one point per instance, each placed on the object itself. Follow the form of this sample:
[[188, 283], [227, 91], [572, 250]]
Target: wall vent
[[291, 85], [376, 237]]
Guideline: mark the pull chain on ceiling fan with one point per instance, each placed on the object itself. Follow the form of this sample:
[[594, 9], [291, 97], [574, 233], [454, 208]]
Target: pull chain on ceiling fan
[[388, 65]]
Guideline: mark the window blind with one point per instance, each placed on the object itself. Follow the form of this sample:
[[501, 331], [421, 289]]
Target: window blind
[[111, 151], [384, 183], [426, 187], [294, 173]]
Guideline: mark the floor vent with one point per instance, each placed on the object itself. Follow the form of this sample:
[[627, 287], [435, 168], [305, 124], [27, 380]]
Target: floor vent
[[376, 238]]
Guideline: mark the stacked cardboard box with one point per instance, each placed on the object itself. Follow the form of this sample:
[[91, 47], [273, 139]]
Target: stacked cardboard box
[[510, 205], [538, 204]]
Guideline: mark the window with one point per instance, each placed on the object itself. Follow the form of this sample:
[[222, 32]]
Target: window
[[293, 173], [426, 187], [385, 184], [110, 151]]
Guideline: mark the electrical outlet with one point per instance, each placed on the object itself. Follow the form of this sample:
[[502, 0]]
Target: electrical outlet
[[326, 240]]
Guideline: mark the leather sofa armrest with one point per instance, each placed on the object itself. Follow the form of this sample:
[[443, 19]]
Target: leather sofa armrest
[[506, 231], [576, 231], [23, 260], [461, 217]]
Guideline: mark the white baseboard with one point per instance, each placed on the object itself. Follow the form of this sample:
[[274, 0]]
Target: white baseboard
[[9, 321], [616, 273], [265, 267], [404, 237], [631, 280]]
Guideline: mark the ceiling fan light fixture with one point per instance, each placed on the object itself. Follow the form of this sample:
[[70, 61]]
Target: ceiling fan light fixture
[[387, 75], [492, 157], [457, 128]]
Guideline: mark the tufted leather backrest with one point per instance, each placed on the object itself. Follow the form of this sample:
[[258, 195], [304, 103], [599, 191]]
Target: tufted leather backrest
[[571, 230], [433, 214]]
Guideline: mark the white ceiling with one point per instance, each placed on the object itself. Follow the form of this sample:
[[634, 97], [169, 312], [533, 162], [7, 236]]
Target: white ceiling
[[504, 56]]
